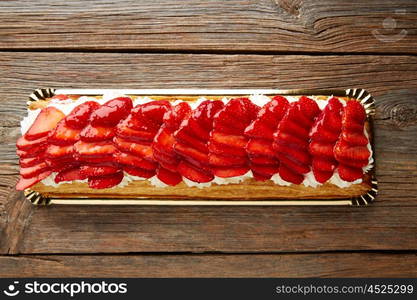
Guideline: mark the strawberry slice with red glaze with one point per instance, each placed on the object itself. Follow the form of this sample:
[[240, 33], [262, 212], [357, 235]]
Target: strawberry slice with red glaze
[[228, 135], [33, 152], [267, 119], [294, 157], [168, 177], [25, 183], [111, 112], [25, 145], [79, 117], [193, 134], [106, 181], [260, 147], [30, 161], [140, 150], [135, 171], [47, 120], [70, 174], [226, 172], [351, 150], [56, 151], [191, 172], [62, 134], [163, 143], [324, 133], [97, 149], [98, 170], [33, 171], [124, 131], [96, 133], [124, 158]]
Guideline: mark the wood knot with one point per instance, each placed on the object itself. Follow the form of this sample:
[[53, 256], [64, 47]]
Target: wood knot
[[398, 109], [290, 6]]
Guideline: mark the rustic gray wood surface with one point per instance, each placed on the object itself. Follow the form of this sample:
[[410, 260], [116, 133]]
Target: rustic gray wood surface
[[217, 44]]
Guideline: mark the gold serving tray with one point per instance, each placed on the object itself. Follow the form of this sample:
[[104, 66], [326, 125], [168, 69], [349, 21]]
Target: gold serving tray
[[37, 198]]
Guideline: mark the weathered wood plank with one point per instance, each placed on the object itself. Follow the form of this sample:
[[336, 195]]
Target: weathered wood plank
[[239, 25], [213, 265], [389, 224]]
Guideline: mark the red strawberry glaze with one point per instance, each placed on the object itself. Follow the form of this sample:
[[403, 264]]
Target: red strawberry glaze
[[292, 152], [191, 141], [163, 143], [32, 146], [324, 133], [95, 150], [229, 132], [262, 157], [134, 137], [351, 148]]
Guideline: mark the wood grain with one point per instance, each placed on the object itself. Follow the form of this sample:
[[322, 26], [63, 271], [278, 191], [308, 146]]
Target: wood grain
[[239, 25], [389, 224], [213, 265]]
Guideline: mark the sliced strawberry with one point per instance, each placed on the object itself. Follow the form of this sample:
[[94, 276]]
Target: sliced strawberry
[[135, 171], [353, 114], [78, 118], [35, 151], [47, 120], [267, 119], [168, 177], [182, 137], [345, 152], [70, 174], [219, 160], [264, 170], [355, 138], [164, 141], [263, 160], [324, 164], [322, 176], [33, 171], [90, 159], [133, 160], [94, 149], [25, 183], [226, 150], [236, 141], [230, 171], [95, 170], [148, 116], [348, 173], [142, 150], [262, 147], [286, 174], [25, 145], [130, 134], [321, 149], [189, 152], [96, 133], [104, 182], [293, 156], [192, 173], [111, 112], [55, 151], [63, 134], [173, 118], [30, 161], [260, 177]]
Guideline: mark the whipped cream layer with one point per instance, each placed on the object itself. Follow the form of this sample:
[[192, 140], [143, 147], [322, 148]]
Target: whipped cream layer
[[260, 100]]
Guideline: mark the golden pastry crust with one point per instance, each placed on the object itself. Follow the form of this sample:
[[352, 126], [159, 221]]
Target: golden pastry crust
[[249, 189]]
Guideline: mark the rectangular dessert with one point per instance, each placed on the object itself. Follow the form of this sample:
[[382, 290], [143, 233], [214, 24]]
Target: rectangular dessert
[[231, 147]]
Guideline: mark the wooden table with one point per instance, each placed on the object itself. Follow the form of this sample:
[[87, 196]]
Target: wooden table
[[214, 44]]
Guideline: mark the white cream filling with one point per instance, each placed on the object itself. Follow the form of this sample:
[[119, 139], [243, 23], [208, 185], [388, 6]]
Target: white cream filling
[[66, 106]]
